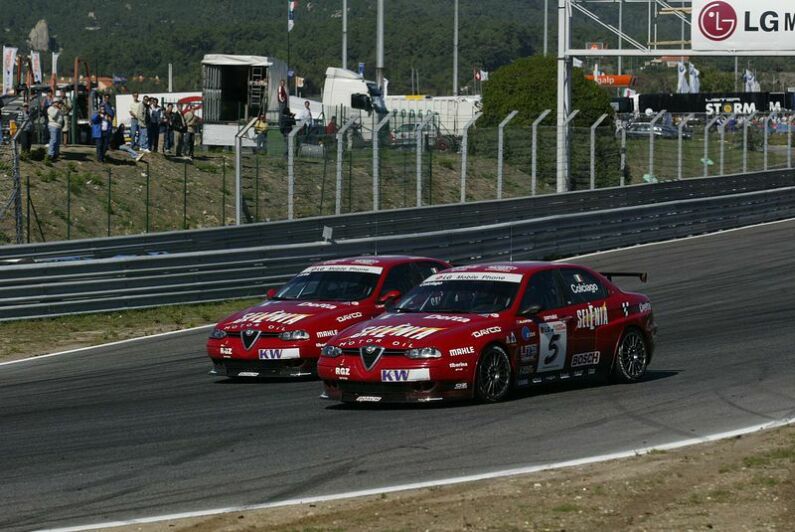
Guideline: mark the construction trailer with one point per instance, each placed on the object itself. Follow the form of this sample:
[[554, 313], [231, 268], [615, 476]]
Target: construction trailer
[[236, 88]]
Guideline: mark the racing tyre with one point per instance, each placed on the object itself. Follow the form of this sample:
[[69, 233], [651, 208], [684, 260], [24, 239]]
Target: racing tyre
[[632, 357], [493, 379]]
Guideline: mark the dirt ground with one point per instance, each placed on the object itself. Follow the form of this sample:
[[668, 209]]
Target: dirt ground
[[744, 483]]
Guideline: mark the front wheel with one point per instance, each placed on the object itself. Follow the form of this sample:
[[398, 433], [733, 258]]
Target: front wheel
[[493, 380], [632, 357]]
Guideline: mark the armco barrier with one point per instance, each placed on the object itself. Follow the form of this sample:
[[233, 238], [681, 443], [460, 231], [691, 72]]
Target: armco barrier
[[401, 221], [50, 289]]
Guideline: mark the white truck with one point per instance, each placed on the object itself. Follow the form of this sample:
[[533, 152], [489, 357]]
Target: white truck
[[235, 88], [347, 95]]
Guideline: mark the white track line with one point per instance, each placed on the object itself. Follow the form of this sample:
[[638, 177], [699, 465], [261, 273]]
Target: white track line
[[111, 344], [436, 483], [559, 260]]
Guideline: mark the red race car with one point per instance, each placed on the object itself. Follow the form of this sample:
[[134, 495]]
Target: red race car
[[282, 336], [481, 331]]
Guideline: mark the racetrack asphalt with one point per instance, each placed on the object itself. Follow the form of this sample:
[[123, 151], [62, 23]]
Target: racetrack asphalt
[[141, 429]]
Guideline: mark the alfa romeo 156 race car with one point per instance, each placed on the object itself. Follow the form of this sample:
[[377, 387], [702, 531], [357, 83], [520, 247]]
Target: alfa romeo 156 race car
[[282, 336], [480, 331]]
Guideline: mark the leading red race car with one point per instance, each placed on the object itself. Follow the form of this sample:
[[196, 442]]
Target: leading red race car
[[480, 331], [282, 337]]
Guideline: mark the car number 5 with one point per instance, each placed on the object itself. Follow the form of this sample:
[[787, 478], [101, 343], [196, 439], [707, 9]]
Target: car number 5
[[552, 340]]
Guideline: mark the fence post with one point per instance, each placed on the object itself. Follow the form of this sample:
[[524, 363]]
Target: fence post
[[766, 123], [68, 205], [622, 181], [418, 132], [682, 126], [710, 123], [651, 141], [110, 180], [291, 171], [593, 149], [239, 170], [567, 152], [147, 196], [746, 123], [501, 150], [377, 161], [722, 131], [223, 191], [789, 142], [464, 156], [185, 197], [534, 162], [256, 188], [340, 138]]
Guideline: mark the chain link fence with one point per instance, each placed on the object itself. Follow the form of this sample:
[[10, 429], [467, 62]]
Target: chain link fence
[[407, 160]]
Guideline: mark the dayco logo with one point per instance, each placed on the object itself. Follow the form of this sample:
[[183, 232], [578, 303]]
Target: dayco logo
[[718, 21], [484, 332], [401, 331], [276, 317], [351, 316], [592, 317], [462, 351]]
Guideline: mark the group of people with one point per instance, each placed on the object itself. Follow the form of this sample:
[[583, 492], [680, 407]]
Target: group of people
[[148, 120]]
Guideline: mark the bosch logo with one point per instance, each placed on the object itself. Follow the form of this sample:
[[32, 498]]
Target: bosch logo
[[718, 21]]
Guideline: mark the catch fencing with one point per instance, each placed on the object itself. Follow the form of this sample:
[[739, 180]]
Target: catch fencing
[[58, 288], [405, 161]]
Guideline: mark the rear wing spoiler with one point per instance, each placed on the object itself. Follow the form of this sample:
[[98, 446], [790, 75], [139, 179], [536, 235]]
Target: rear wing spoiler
[[644, 277]]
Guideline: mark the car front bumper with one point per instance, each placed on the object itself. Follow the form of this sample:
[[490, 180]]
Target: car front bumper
[[261, 369]]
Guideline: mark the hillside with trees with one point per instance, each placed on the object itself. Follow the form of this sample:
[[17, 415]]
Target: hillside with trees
[[132, 39]]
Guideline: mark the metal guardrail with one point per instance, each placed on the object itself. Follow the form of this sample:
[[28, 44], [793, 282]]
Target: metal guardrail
[[400, 221], [58, 288]]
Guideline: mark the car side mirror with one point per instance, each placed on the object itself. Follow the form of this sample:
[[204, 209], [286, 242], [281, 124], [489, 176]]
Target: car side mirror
[[389, 297], [271, 293], [530, 310]]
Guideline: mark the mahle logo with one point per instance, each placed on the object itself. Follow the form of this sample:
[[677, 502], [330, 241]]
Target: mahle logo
[[718, 21]]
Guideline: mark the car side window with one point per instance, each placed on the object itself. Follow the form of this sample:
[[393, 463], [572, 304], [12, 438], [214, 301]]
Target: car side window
[[543, 290], [581, 286], [400, 278]]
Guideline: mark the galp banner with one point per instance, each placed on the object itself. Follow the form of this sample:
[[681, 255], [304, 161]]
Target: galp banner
[[743, 25]]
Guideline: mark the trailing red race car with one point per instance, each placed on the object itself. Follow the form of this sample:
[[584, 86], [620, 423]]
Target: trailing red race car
[[282, 337], [480, 331]]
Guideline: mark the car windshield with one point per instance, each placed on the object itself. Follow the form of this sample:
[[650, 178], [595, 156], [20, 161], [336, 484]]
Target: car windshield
[[329, 286], [465, 297]]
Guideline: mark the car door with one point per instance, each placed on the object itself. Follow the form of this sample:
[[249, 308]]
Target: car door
[[587, 298], [549, 350]]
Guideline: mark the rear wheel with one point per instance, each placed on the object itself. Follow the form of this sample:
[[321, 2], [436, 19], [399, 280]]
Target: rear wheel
[[493, 380], [632, 357]]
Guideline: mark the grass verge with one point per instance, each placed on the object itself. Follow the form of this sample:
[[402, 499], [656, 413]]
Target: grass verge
[[26, 338]]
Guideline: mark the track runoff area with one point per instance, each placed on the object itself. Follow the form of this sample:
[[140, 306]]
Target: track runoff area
[[136, 432]]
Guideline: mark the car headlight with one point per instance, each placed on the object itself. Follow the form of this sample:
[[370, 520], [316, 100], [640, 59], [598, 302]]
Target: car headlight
[[424, 352], [217, 334], [294, 335], [331, 351]]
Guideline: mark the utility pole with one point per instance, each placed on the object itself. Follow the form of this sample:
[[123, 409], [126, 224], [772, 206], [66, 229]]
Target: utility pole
[[546, 27], [379, 66], [564, 96], [344, 33], [455, 51]]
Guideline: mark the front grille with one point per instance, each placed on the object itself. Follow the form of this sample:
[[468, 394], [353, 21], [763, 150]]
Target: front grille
[[235, 366], [262, 334], [375, 388]]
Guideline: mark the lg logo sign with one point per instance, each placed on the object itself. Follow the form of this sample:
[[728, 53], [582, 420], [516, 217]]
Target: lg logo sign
[[718, 21]]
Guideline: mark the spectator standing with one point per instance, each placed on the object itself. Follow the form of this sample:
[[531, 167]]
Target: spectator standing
[[136, 114], [192, 125], [55, 122], [168, 129], [178, 125], [66, 111], [155, 117], [283, 96], [26, 123], [143, 131], [110, 112], [101, 129], [261, 129], [332, 127]]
